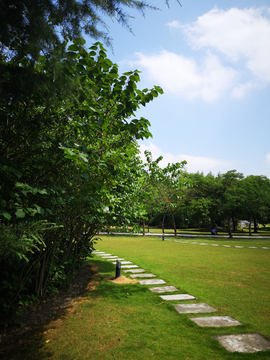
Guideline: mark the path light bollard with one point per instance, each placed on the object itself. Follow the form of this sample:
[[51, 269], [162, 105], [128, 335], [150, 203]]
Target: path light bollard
[[118, 269]]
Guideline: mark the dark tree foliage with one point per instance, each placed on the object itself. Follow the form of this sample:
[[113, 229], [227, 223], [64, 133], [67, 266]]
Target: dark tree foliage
[[28, 27], [68, 166]]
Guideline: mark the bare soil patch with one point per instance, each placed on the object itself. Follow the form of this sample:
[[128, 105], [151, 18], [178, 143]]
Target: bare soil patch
[[123, 280]]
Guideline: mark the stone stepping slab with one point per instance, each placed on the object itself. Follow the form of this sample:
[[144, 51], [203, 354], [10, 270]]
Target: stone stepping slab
[[115, 259], [129, 266], [142, 275], [134, 271], [152, 282], [161, 289], [243, 343], [123, 262], [102, 255], [177, 297], [110, 257], [216, 321], [194, 308]]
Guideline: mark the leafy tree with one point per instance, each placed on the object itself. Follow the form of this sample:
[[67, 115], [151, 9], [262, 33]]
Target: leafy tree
[[257, 200], [28, 27], [166, 184], [202, 199], [231, 195], [68, 156]]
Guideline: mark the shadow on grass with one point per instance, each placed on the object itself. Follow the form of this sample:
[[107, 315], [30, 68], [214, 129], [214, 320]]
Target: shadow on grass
[[103, 266], [33, 345]]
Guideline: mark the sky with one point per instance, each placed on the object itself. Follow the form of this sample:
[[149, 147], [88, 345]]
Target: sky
[[212, 60]]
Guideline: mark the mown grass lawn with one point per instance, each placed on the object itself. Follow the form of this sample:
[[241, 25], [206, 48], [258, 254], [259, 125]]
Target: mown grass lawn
[[128, 321]]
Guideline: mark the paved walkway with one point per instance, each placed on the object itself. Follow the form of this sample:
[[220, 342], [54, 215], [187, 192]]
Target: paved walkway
[[189, 235], [242, 343]]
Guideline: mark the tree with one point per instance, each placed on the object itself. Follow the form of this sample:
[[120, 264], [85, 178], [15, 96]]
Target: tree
[[202, 199], [29, 27], [257, 199], [69, 157], [231, 195], [166, 184]]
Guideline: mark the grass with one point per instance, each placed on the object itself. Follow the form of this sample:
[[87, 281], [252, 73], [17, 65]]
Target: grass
[[128, 321]]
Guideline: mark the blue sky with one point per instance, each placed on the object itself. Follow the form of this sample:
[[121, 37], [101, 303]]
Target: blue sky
[[212, 59]]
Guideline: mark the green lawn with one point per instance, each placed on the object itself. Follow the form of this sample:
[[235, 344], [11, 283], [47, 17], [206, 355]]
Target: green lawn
[[130, 322]]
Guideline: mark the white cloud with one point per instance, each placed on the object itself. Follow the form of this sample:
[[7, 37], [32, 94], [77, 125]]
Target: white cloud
[[268, 158], [174, 25], [194, 163], [237, 33], [183, 76], [241, 90]]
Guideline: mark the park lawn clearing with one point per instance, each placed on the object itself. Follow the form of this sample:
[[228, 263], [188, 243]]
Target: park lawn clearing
[[127, 321]]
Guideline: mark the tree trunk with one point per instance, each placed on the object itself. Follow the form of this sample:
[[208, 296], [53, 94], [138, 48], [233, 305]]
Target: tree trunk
[[163, 221], [143, 227], [229, 228], [249, 227], [234, 226], [174, 226], [255, 226]]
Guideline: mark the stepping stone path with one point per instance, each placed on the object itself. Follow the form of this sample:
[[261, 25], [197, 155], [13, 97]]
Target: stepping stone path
[[129, 266], [177, 297], [216, 321], [242, 343], [142, 275], [161, 289], [194, 308], [194, 242], [152, 282], [134, 271]]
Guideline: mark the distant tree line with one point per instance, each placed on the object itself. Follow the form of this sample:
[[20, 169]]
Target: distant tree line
[[178, 199]]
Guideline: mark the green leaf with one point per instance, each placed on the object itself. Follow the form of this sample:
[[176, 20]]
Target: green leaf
[[20, 213], [6, 215], [79, 41], [73, 47]]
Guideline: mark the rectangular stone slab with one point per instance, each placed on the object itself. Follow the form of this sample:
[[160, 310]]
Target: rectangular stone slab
[[177, 297], [115, 259], [194, 308], [102, 255], [134, 271], [161, 289], [244, 343], [152, 282], [216, 321], [124, 262], [129, 266], [110, 257], [142, 275]]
